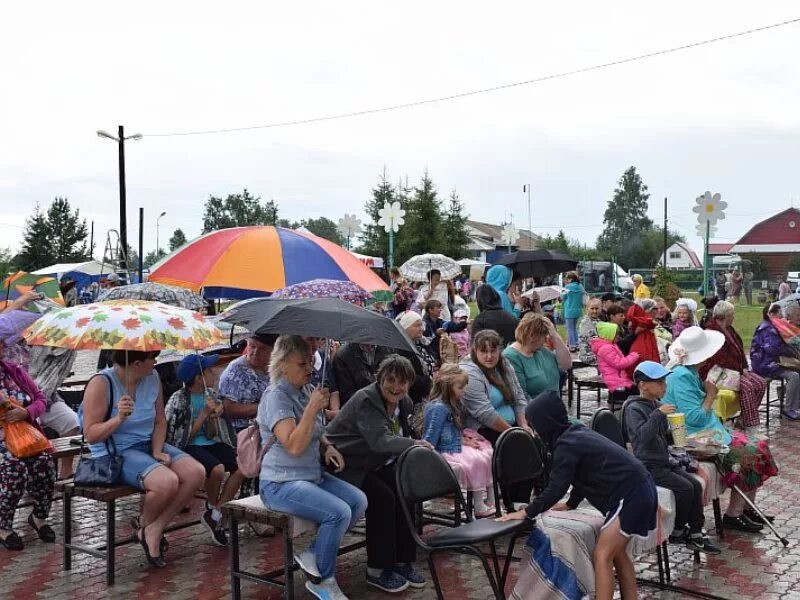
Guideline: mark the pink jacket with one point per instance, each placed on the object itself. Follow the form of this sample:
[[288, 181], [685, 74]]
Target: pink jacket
[[612, 363]]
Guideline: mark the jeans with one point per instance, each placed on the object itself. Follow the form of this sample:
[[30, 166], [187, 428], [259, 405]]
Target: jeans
[[332, 503], [688, 496], [572, 332]]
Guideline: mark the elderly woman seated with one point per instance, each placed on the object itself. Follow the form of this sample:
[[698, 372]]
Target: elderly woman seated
[[748, 463], [732, 356], [766, 351], [292, 478], [371, 431]]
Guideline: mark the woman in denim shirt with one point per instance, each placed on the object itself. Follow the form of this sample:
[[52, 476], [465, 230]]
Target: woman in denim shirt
[[469, 453]]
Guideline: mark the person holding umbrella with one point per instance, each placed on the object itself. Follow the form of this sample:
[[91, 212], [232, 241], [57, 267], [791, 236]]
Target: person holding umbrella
[[137, 429], [435, 289]]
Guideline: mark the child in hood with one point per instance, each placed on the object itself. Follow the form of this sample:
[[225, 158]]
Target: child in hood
[[461, 338], [611, 363], [610, 477]]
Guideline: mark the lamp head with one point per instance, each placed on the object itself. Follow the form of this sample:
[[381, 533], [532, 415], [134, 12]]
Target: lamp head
[[104, 134]]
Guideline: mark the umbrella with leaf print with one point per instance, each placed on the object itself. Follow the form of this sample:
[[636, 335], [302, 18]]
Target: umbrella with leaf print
[[136, 325]]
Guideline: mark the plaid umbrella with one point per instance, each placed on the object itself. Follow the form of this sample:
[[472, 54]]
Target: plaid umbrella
[[124, 325], [417, 267], [155, 292], [325, 288]]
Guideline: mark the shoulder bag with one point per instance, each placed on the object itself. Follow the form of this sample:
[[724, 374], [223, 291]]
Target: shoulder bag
[[101, 471]]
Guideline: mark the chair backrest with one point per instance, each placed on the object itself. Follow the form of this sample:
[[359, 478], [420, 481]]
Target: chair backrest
[[605, 423], [624, 427], [517, 457]]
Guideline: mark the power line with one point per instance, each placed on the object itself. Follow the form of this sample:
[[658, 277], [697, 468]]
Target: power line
[[459, 95]]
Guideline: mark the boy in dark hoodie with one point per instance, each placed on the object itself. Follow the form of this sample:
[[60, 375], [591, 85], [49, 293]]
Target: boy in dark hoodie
[[610, 477], [646, 427], [493, 316]]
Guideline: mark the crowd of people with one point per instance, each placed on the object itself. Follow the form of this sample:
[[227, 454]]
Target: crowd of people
[[334, 419]]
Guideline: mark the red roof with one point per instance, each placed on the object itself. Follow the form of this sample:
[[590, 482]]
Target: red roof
[[783, 228], [692, 256], [717, 249]]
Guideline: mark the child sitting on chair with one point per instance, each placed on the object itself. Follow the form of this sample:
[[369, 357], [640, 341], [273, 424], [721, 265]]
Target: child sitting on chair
[[610, 477], [469, 453], [646, 426]]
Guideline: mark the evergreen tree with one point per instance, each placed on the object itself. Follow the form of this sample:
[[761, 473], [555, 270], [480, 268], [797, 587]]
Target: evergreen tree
[[454, 228], [177, 240], [423, 227], [238, 210], [37, 252], [68, 232], [375, 241], [626, 220], [150, 258], [324, 228]]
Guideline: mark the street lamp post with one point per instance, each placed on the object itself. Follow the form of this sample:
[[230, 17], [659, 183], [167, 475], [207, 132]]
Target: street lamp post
[[158, 246], [123, 221]]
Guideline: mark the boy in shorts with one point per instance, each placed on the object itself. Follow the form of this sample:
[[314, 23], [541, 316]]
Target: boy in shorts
[[194, 425], [610, 477], [646, 427]]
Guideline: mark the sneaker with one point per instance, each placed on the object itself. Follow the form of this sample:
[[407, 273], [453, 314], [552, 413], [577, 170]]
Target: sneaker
[[308, 563], [703, 544], [389, 581], [791, 414], [217, 533], [326, 590], [740, 523], [411, 575]]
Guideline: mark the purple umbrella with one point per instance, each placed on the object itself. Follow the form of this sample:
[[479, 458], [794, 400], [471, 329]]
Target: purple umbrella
[[325, 288], [13, 323]]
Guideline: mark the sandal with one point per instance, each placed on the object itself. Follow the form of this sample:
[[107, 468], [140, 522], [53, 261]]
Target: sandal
[[13, 542], [156, 561], [45, 532], [163, 545]]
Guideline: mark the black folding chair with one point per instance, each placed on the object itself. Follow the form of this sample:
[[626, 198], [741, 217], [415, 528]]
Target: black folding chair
[[606, 424], [424, 475], [518, 457]]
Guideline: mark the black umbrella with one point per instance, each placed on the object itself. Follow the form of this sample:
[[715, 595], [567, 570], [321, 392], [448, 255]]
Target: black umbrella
[[538, 263], [318, 317]]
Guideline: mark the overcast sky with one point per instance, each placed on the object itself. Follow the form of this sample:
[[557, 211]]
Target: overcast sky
[[722, 117]]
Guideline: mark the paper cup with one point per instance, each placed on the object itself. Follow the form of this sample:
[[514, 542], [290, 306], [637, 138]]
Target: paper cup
[[677, 424]]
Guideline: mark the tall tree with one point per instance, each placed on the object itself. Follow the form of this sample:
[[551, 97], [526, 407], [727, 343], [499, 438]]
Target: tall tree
[[455, 237], [324, 228], [626, 214], [68, 232], [6, 262], [151, 258], [238, 210], [375, 241], [423, 227], [36, 249], [177, 240]]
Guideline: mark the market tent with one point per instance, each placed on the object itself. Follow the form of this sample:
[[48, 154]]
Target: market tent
[[373, 262], [90, 267]]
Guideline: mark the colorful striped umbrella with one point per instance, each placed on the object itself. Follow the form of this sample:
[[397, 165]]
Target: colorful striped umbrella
[[247, 262], [20, 282]]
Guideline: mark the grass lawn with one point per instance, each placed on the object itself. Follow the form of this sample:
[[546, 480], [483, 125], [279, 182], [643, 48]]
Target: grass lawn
[[746, 320]]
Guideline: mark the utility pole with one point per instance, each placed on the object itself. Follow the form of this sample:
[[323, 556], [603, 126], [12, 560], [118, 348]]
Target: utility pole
[[527, 188], [665, 234], [141, 245], [91, 242], [123, 198]]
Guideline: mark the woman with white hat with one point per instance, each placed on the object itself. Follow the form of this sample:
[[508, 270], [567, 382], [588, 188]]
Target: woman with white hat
[[749, 463]]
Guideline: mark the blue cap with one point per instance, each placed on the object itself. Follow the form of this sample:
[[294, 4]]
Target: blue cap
[[191, 366], [650, 371]]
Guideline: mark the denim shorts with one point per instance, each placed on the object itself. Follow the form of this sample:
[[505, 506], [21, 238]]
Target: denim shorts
[[138, 462]]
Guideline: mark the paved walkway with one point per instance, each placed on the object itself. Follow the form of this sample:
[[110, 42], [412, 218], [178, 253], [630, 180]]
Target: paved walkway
[[751, 566]]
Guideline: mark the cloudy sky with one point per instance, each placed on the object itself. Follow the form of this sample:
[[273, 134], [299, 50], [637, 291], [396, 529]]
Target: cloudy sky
[[721, 117]]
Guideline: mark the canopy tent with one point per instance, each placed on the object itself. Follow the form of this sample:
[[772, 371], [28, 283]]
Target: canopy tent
[[471, 262], [373, 262], [84, 273]]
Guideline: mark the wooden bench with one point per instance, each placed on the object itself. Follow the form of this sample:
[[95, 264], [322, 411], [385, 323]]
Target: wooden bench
[[591, 382], [780, 397], [252, 510], [108, 496]]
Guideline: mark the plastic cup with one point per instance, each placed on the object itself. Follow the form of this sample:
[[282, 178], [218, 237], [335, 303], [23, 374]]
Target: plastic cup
[[677, 424]]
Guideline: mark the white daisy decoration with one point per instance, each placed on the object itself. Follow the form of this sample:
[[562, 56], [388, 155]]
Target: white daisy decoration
[[700, 228], [391, 217], [710, 208], [510, 234], [349, 226]]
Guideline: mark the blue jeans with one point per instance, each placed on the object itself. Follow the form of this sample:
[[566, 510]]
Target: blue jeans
[[572, 332], [334, 504]]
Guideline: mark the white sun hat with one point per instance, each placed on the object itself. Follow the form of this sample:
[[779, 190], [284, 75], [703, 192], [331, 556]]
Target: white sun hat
[[694, 346]]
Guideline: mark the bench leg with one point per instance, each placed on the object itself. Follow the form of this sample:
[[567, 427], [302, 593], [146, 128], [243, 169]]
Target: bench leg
[[236, 583], [111, 524], [718, 518], [67, 524], [666, 563], [288, 563], [767, 415]]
